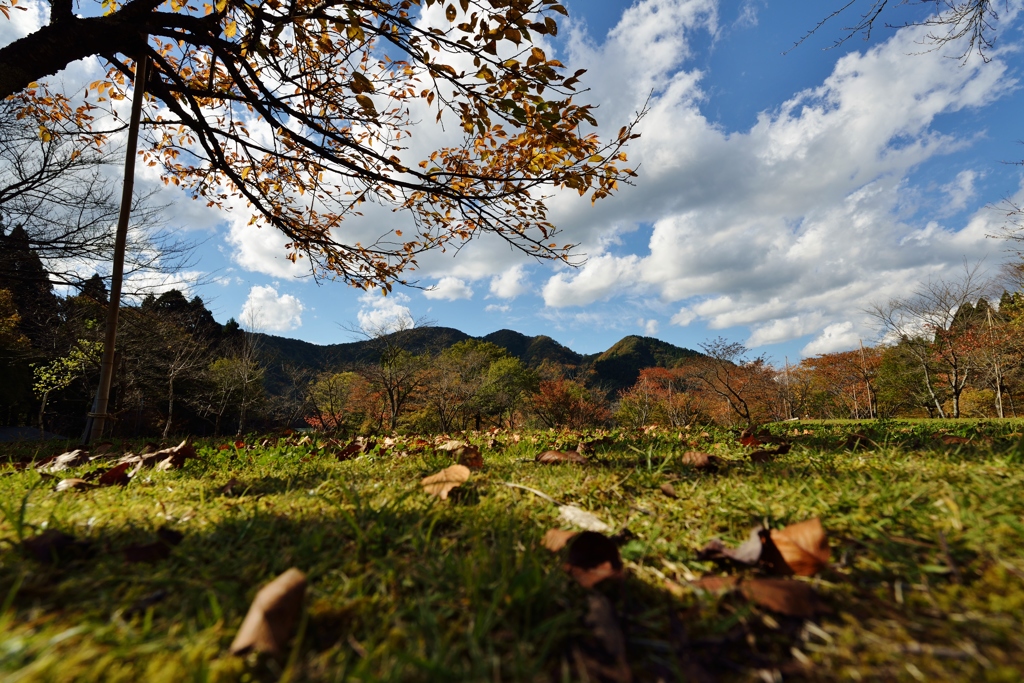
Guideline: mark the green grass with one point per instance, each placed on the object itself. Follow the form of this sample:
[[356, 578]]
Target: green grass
[[405, 587]]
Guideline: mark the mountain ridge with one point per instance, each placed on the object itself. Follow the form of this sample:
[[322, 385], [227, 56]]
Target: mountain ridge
[[614, 369]]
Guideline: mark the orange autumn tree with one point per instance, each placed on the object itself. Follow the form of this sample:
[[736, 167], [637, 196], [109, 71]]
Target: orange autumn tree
[[843, 383], [305, 111]]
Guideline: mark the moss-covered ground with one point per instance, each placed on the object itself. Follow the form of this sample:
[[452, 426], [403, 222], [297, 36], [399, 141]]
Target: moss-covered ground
[[925, 523]]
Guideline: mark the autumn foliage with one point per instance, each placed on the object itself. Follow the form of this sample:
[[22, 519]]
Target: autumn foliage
[[303, 113]]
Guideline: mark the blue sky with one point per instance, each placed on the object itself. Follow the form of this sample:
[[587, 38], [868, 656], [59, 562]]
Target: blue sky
[[778, 196]]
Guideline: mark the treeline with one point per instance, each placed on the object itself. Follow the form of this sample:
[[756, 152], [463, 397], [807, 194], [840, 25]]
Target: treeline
[[179, 371], [945, 362]]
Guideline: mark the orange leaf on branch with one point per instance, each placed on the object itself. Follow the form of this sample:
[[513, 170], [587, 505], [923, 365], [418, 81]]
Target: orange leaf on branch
[[524, 135]]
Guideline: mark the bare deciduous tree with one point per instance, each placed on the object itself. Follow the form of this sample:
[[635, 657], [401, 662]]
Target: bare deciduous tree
[[926, 324]]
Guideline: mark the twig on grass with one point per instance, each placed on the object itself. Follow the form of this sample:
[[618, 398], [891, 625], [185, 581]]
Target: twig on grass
[[533, 491], [949, 559]]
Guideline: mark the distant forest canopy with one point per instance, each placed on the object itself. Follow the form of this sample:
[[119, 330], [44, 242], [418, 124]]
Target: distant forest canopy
[[179, 371]]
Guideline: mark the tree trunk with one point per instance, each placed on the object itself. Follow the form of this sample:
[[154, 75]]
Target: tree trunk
[[170, 408], [931, 392], [42, 413]]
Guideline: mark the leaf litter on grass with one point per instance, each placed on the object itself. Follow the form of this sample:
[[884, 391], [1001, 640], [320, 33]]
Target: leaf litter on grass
[[360, 525]]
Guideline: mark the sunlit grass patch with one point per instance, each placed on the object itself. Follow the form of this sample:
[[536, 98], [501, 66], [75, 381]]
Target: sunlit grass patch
[[926, 579]]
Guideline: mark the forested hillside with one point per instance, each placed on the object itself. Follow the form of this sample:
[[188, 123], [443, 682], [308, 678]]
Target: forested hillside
[[178, 370]]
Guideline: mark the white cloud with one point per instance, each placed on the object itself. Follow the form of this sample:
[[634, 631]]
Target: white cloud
[[959, 191], [684, 317], [383, 314], [786, 227], [510, 283], [835, 337], [650, 326], [449, 289], [601, 277], [267, 311], [496, 308]]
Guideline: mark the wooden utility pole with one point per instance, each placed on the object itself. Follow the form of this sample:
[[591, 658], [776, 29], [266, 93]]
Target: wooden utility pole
[[98, 417]]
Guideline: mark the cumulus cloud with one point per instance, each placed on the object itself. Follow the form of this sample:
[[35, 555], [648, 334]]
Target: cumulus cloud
[[788, 226], [959, 191], [449, 289], [510, 283], [835, 337], [383, 314], [267, 310]]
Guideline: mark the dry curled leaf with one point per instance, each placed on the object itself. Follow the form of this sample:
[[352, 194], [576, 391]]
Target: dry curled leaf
[[174, 458], [556, 539], [115, 476], [550, 457], [803, 547], [800, 549], [581, 518], [349, 451], [747, 553], [469, 456], [272, 616], [701, 461], [443, 482], [669, 490], [784, 596], [768, 454], [63, 461], [592, 558], [73, 484]]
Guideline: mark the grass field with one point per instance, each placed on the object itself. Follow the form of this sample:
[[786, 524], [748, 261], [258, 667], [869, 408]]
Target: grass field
[[926, 581]]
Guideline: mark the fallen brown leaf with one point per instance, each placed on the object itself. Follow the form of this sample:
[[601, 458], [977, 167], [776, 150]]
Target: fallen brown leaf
[[803, 547], [747, 553], [767, 455], [556, 539], [800, 549], [73, 484], [581, 518], [272, 616], [443, 482], [669, 490], [115, 476], [173, 458], [63, 461], [593, 557], [784, 596], [351, 450], [551, 457], [701, 461], [469, 456]]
